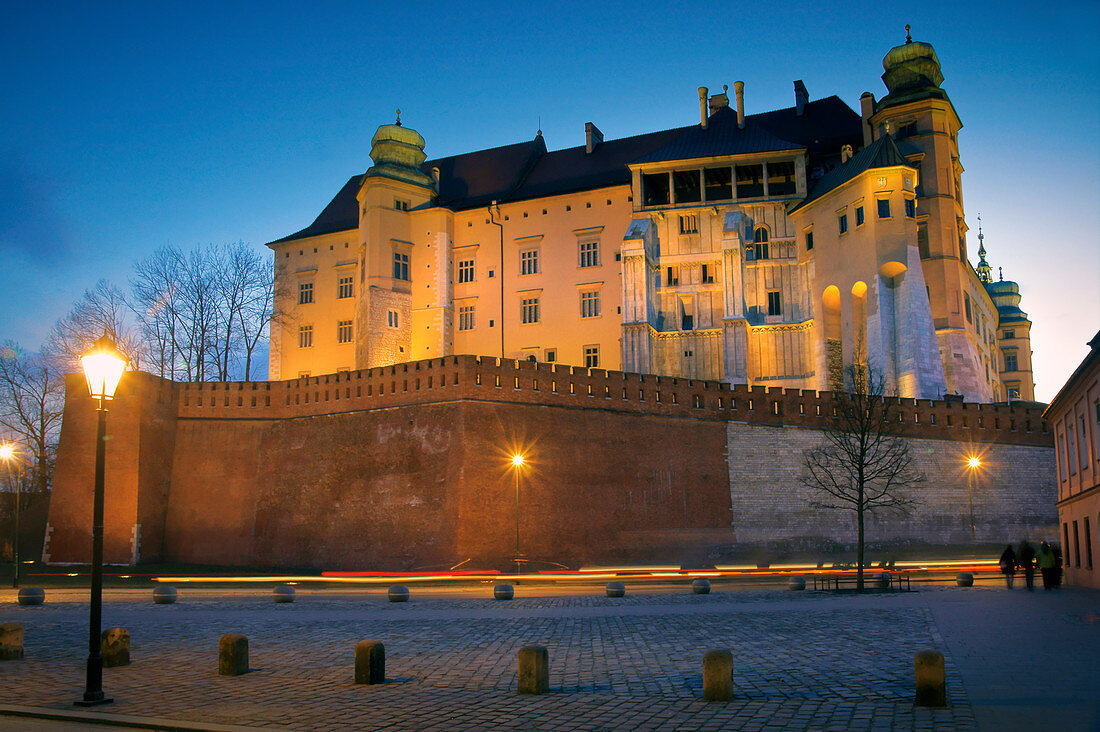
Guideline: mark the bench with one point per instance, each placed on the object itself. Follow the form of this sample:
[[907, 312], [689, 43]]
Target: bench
[[871, 580]]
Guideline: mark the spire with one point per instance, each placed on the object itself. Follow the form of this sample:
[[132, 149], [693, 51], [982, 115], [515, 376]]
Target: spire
[[983, 267], [1000, 274], [908, 38]]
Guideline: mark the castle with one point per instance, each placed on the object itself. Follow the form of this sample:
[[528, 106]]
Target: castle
[[770, 249]]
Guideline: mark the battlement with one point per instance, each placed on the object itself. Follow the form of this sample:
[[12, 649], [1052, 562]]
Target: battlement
[[483, 378]]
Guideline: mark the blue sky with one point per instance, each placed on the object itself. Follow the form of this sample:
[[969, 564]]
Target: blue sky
[[126, 126]]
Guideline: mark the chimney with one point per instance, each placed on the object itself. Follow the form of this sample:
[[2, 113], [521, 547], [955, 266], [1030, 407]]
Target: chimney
[[719, 101], [801, 98], [592, 137], [703, 107], [866, 109], [845, 154], [739, 91]]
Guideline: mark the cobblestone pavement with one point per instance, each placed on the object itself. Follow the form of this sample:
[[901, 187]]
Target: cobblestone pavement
[[802, 660]]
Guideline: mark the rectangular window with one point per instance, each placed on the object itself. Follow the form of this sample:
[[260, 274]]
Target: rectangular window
[[529, 262], [761, 250], [345, 286], [1088, 544], [590, 304], [781, 180], [689, 224], [466, 270], [551, 355], [401, 266], [1083, 444], [775, 304], [809, 240], [906, 130], [305, 336], [708, 275], [401, 205], [1076, 547], [859, 215], [1010, 361], [343, 331], [392, 319], [592, 357], [1061, 457], [529, 310], [305, 293], [590, 253], [718, 183], [673, 276], [750, 181], [884, 208], [842, 223], [685, 185], [1071, 450], [656, 189], [466, 317], [910, 208], [1009, 334], [966, 306], [922, 241]]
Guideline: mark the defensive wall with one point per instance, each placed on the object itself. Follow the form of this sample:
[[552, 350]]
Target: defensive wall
[[409, 466]]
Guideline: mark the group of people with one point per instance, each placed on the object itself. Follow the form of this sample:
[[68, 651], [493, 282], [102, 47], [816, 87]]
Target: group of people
[[1048, 559]]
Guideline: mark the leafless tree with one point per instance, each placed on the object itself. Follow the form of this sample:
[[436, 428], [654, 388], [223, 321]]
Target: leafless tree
[[102, 309], [155, 301], [32, 399], [863, 463]]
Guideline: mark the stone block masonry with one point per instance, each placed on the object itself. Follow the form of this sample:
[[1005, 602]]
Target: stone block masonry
[[409, 466]]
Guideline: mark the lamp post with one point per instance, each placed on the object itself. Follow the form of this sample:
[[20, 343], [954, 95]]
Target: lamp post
[[517, 465], [103, 366], [7, 452], [972, 464]]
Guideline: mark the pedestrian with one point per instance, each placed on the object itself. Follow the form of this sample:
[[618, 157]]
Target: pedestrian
[[1008, 565], [1048, 565], [1057, 565], [1026, 559]]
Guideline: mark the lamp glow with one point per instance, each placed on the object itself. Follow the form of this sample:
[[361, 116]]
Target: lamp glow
[[973, 462], [103, 366], [517, 460], [7, 451]]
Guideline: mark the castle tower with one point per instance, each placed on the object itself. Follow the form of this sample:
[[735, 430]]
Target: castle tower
[[1013, 341]]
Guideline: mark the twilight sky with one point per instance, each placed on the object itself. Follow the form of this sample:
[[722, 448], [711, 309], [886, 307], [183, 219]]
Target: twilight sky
[[126, 126]]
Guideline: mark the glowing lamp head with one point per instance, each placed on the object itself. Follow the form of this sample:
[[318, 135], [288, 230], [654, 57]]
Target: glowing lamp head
[[103, 366], [517, 461], [973, 462], [7, 451]]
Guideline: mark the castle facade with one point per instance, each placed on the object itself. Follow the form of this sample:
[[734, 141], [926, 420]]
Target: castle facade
[[771, 249]]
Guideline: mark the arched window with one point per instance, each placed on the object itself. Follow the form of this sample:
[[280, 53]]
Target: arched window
[[761, 234], [761, 247]]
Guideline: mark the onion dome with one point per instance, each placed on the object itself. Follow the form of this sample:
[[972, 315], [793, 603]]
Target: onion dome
[[398, 153], [1006, 296], [911, 71]]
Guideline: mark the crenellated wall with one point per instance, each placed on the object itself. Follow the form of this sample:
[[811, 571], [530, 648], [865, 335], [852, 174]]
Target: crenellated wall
[[408, 466]]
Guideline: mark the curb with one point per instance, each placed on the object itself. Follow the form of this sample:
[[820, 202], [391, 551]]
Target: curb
[[115, 720]]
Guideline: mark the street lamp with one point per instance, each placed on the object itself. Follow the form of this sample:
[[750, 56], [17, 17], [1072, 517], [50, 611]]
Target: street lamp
[[517, 465], [103, 366], [7, 453], [972, 465]]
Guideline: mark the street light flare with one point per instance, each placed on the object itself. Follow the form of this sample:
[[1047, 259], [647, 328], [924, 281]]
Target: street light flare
[[517, 460], [7, 451], [974, 462]]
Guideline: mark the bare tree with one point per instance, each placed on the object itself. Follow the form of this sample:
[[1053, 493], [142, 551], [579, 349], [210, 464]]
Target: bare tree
[[863, 463], [155, 301], [102, 309], [32, 399]]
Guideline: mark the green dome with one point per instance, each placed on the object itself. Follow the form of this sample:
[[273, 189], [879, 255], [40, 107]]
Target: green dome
[[910, 66], [398, 153]]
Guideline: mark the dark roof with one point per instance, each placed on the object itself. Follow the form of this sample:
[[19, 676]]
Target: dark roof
[[721, 136], [882, 153], [1071, 383], [526, 170]]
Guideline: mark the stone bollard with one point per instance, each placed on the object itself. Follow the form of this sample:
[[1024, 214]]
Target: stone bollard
[[534, 670], [11, 641], [370, 662], [931, 679], [232, 655], [615, 589], [398, 593], [114, 647], [283, 593], [164, 595], [964, 579], [31, 596], [796, 583], [700, 586], [882, 581], [718, 675], [503, 592]]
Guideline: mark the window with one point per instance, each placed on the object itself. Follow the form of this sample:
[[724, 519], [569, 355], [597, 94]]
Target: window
[[592, 357], [859, 215], [1013, 392], [761, 247], [343, 331], [466, 270], [401, 266], [673, 276], [718, 183], [392, 319], [1010, 361], [689, 224], [910, 208], [966, 304], [775, 304], [466, 317], [655, 187], [685, 186], [1009, 334], [750, 181], [590, 304], [809, 241], [529, 310], [708, 275], [1088, 545], [842, 223], [922, 241], [401, 205], [529, 262], [305, 293], [1084, 444], [305, 336], [1076, 547], [906, 130], [781, 181], [590, 253], [345, 286], [551, 355], [884, 208], [1071, 450]]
